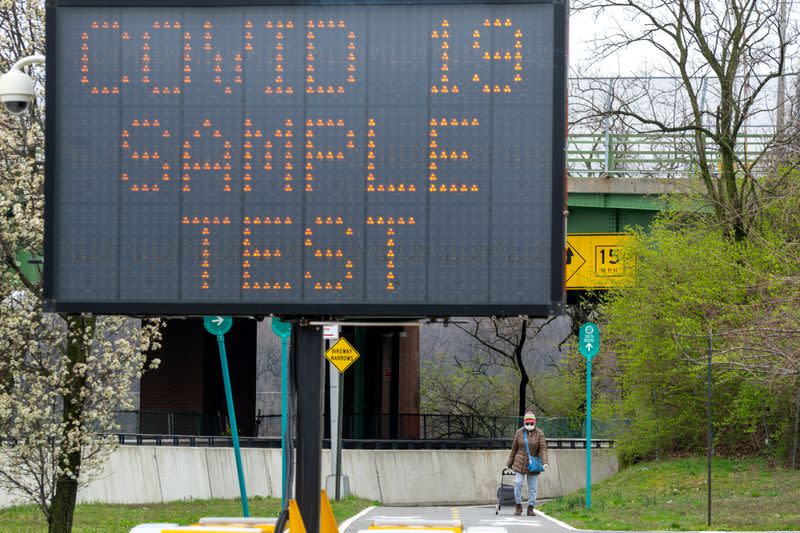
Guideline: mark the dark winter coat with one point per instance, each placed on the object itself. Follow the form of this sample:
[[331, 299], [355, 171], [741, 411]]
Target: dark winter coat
[[518, 459]]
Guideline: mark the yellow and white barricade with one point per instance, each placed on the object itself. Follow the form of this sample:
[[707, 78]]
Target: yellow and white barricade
[[407, 525], [238, 524]]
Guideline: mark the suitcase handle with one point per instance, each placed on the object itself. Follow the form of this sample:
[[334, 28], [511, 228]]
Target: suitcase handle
[[507, 472]]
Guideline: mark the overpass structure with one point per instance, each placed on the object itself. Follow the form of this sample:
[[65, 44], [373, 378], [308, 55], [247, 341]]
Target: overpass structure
[[617, 180], [618, 169]]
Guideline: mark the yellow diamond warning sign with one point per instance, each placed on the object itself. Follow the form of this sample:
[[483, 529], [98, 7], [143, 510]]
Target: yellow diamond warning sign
[[596, 261], [342, 354]]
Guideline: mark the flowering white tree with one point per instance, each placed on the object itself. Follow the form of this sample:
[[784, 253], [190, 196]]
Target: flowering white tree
[[62, 377]]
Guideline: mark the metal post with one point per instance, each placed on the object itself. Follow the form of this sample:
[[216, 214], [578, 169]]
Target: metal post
[[781, 111], [588, 432], [709, 430], [308, 362], [339, 438], [285, 458], [358, 386], [226, 379], [607, 128], [284, 331]]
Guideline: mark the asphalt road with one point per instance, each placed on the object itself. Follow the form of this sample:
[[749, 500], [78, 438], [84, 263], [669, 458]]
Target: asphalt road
[[477, 516], [473, 516]]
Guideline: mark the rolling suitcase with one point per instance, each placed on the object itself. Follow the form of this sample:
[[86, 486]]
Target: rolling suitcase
[[505, 493]]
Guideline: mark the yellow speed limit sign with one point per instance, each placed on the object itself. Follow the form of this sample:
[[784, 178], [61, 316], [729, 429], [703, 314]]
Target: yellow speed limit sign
[[596, 261]]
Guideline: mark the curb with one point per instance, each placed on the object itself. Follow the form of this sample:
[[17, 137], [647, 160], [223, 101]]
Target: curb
[[347, 523]]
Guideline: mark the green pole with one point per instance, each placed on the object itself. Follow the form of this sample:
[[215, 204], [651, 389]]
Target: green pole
[[588, 432], [226, 379], [284, 330], [284, 421]]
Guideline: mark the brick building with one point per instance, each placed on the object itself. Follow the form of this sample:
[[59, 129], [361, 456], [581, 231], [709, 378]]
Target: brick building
[[185, 394]]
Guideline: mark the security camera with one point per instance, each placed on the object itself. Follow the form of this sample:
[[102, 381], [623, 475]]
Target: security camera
[[16, 87]]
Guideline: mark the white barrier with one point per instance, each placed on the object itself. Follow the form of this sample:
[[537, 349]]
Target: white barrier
[[152, 474]]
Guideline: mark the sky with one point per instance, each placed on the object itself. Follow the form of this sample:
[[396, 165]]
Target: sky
[[583, 28]]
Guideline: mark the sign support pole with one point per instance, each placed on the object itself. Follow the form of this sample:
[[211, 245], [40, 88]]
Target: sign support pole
[[709, 427], [588, 432], [234, 430], [309, 374], [219, 326], [284, 422], [589, 346], [333, 394], [284, 331], [339, 438]]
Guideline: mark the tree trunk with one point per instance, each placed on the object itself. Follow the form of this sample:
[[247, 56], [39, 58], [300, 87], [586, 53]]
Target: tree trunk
[[523, 374], [523, 386], [735, 216], [62, 508]]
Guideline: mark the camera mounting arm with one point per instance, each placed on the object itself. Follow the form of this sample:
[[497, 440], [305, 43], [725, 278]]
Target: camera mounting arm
[[35, 59], [16, 87]]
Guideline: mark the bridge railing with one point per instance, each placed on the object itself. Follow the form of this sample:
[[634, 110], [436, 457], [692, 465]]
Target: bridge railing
[[644, 155]]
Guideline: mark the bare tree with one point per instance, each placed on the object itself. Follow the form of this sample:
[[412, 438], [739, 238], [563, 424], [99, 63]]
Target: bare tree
[[724, 56], [465, 402], [505, 341]]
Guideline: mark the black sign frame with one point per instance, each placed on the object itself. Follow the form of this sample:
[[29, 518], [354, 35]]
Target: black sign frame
[[332, 310]]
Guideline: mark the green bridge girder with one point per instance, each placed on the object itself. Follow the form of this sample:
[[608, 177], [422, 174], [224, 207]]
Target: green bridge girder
[[610, 213]]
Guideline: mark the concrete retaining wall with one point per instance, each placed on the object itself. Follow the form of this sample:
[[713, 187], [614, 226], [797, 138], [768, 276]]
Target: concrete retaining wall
[[147, 474]]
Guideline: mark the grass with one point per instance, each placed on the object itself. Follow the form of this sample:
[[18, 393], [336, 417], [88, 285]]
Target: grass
[[671, 495], [107, 518]]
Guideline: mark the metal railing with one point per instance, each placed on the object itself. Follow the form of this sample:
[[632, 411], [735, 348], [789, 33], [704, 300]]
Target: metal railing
[[390, 426], [216, 441], [170, 422], [448, 426], [643, 155]]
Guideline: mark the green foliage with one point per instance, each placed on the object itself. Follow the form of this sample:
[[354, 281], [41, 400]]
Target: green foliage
[[693, 283], [748, 494], [557, 394], [110, 518]]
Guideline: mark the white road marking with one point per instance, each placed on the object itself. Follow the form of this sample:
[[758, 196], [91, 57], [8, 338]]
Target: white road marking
[[397, 517], [559, 522], [501, 522], [343, 527]]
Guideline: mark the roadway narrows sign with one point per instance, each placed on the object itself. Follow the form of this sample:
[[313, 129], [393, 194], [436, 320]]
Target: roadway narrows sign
[[342, 354]]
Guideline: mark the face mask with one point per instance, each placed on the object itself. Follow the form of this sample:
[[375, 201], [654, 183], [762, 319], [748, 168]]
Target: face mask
[[530, 427]]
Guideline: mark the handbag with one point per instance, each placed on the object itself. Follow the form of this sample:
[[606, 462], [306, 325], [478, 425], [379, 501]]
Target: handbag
[[535, 465]]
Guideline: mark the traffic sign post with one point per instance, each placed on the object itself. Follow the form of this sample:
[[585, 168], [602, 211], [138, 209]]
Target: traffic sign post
[[589, 345], [284, 330], [219, 326], [309, 377], [341, 355]]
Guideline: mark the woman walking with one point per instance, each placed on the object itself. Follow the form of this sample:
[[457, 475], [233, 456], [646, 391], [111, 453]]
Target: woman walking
[[529, 443]]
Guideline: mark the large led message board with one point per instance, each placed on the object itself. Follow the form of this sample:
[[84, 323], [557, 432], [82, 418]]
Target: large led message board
[[351, 159]]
